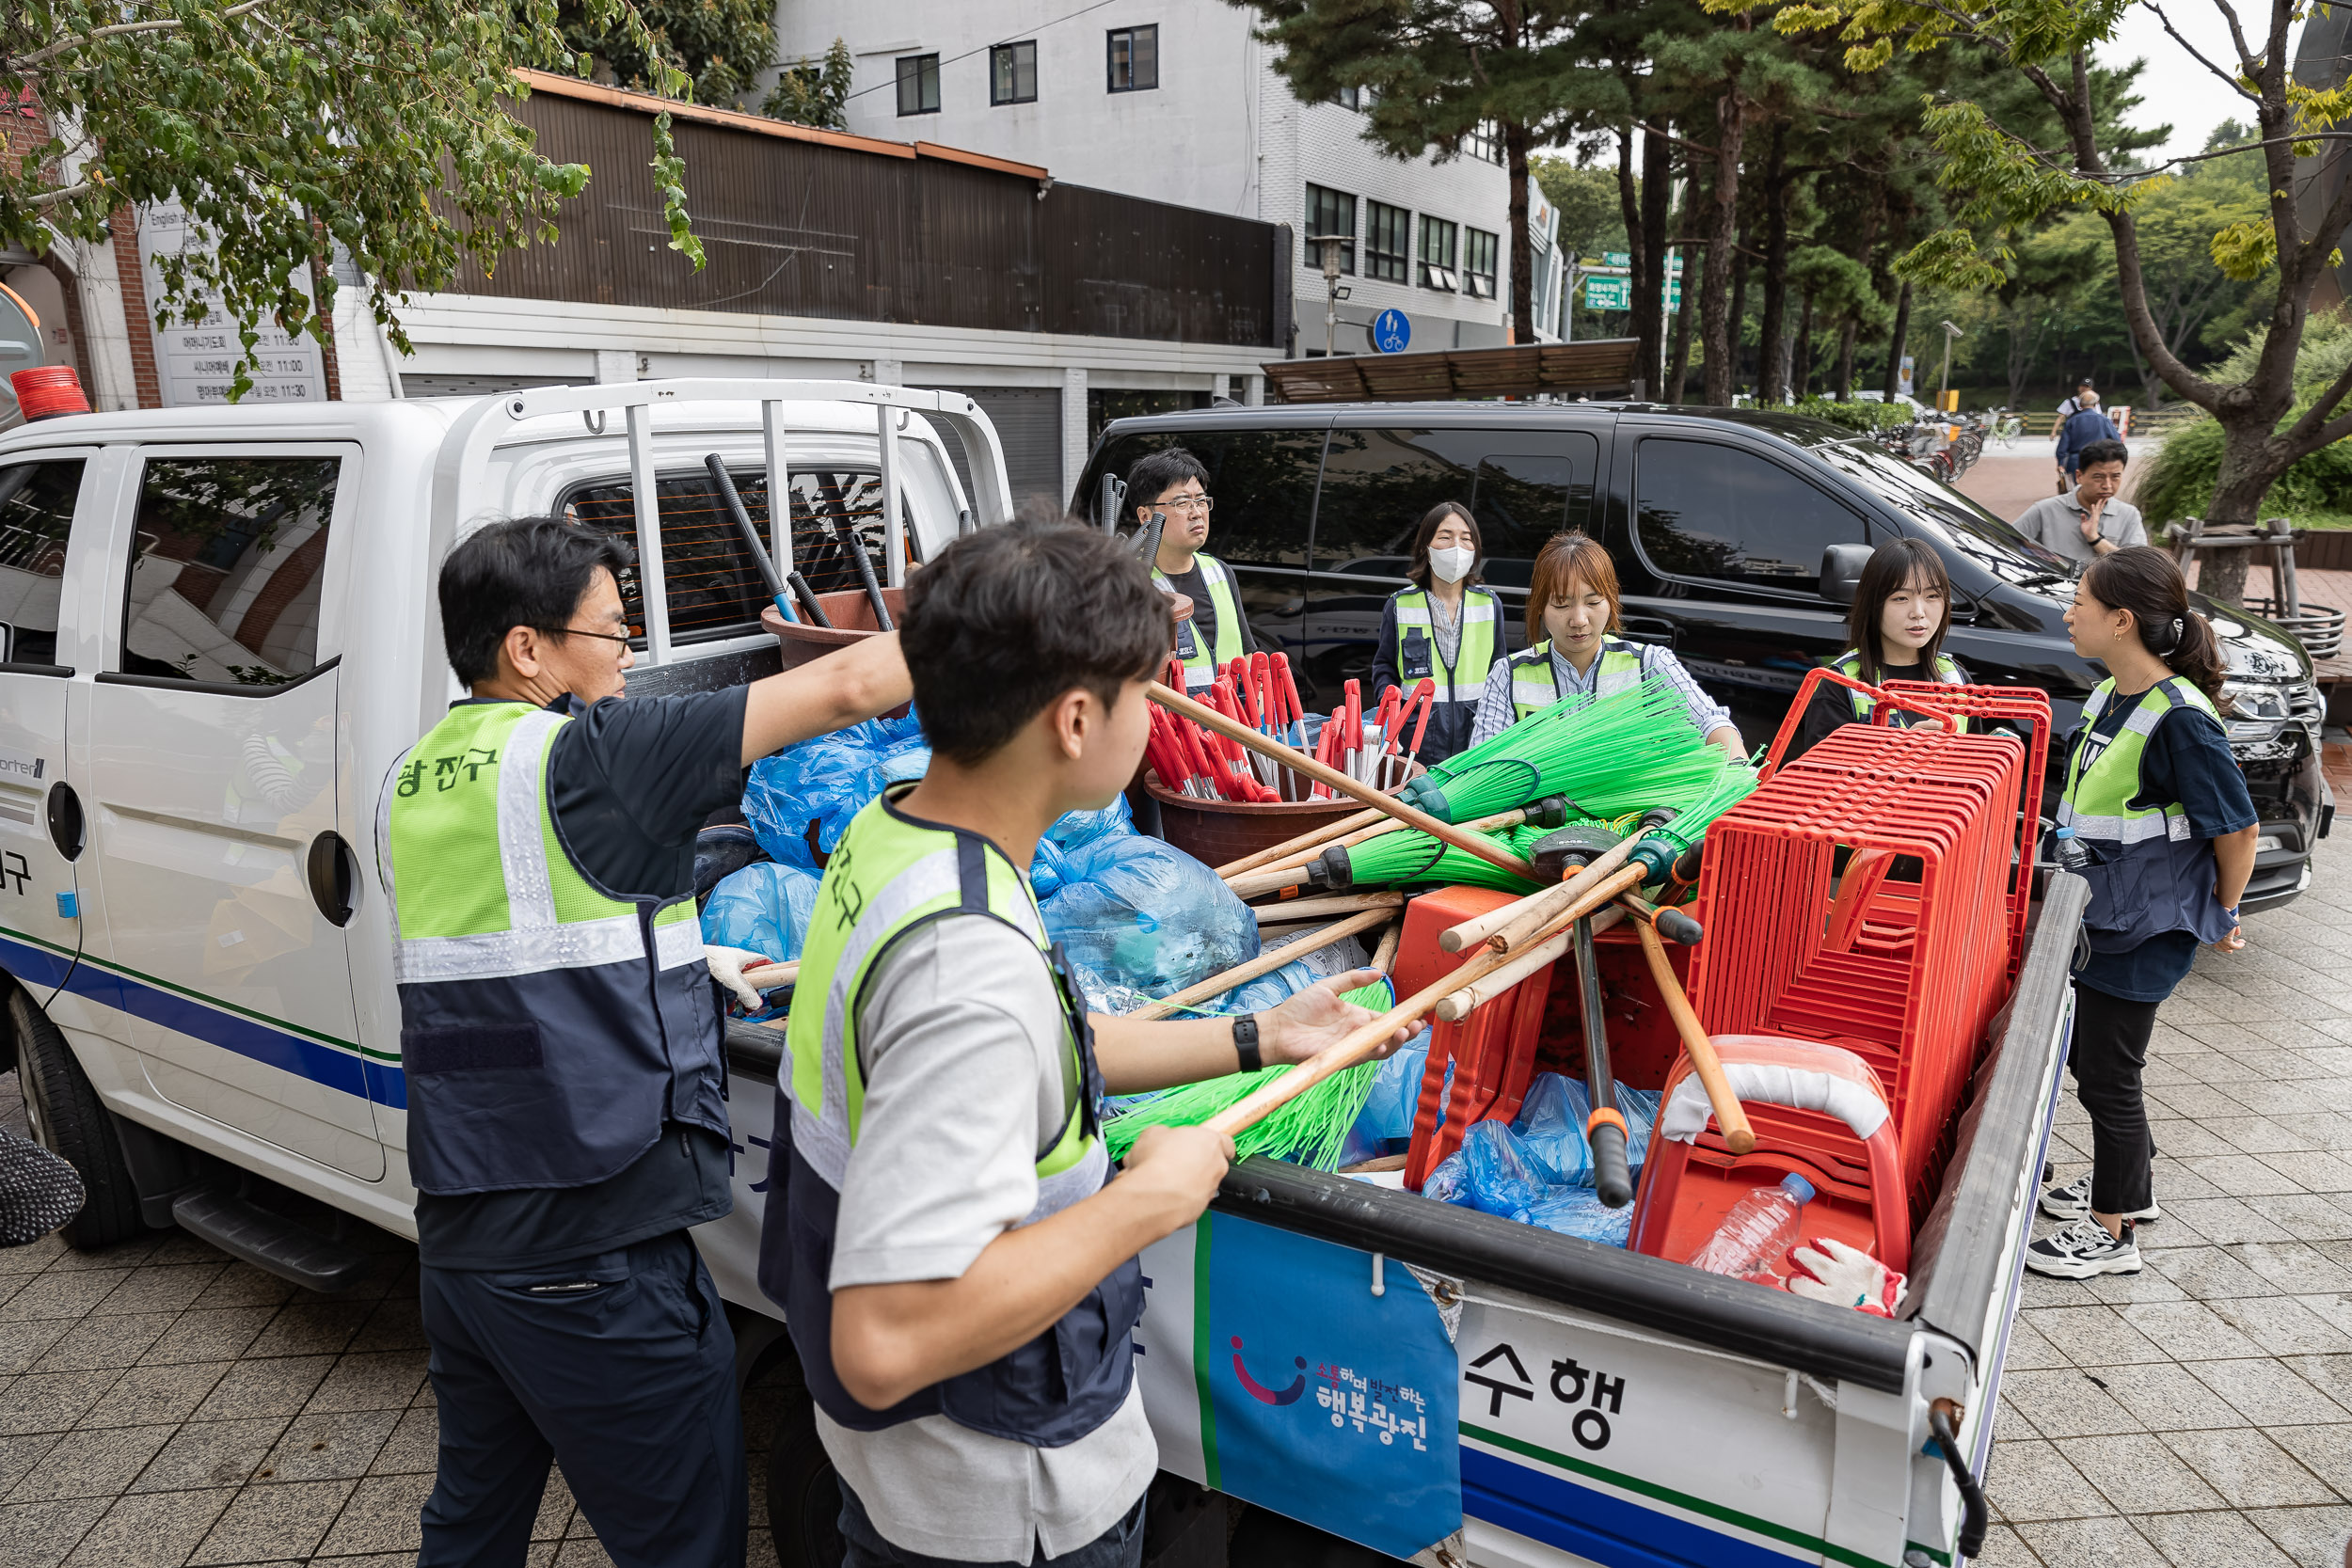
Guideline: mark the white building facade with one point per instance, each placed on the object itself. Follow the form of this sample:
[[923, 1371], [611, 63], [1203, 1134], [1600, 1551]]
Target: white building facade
[[1176, 101]]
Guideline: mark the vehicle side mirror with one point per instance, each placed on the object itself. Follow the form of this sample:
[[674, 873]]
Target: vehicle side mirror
[[1841, 572]]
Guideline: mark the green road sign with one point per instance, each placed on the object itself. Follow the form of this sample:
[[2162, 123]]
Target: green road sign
[[1608, 294], [1616, 258]]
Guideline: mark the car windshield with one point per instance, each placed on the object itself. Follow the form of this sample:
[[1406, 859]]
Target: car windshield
[[1960, 522]]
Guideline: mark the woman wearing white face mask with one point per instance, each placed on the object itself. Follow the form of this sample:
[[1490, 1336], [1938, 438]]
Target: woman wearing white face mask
[[1445, 628]]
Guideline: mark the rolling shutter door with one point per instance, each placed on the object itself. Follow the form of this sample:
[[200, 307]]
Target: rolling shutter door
[[1029, 424]]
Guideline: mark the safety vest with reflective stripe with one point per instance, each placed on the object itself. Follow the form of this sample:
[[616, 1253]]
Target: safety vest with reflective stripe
[[1201, 662], [1417, 655], [1849, 664], [1534, 690], [890, 876], [549, 1026], [2150, 873]]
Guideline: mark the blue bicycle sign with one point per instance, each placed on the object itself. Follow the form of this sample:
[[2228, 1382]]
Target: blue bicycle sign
[[1391, 331]]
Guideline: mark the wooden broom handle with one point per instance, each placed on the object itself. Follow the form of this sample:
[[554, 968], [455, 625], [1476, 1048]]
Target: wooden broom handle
[[1265, 962], [1326, 909], [1312, 839], [1480, 928], [1355, 1048], [1299, 761], [773, 977], [1299, 860], [1731, 1119]]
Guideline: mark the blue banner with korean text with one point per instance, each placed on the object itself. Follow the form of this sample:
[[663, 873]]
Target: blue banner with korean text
[[1321, 1400]]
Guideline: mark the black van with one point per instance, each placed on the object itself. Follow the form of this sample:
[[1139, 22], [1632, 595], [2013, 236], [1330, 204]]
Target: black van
[[1718, 521]]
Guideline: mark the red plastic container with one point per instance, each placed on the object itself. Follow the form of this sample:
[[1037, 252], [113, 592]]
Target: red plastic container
[[1493, 1050], [46, 392]]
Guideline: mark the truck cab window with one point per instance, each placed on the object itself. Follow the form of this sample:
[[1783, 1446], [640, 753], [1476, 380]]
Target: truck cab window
[[1703, 510], [36, 513], [224, 577], [1523, 486], [1263, 481], [713, 588]]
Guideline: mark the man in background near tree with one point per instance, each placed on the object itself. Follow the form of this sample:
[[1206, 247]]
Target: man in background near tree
[[2086, 425], [2088, 521], [2067, 410]]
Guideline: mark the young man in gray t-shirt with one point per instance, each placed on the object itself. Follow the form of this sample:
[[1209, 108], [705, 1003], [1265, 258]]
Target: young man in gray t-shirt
[[954, 1250], [2089, 520]]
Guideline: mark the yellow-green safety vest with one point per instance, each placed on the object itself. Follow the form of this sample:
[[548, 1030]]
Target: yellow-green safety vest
[[549, 1026], [1534, 690], [1482, 617], [1849, 664], [2098, 800], [1201, 662]]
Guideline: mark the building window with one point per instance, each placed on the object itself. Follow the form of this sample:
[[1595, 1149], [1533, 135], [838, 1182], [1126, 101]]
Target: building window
[[1012, 73], [1478, 265], [1387, 241], [1135, 59], [1359, 99], [1437, 255], [918, 84], [1332, 213], [1484, 141]]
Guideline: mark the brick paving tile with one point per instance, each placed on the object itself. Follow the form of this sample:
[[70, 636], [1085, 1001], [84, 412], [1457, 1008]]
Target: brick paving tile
[[95, 1343], [211, 1453], [2211, 1540], [308, 1328], [324, 1447], [145, 1394], [380, 1516], [151, 1529], [39, 1535], [2268, 1393], [2249, 1468], [270, 1524], [2135, 1472], [95, 1464], [2092, 1544], [2312, 1537]]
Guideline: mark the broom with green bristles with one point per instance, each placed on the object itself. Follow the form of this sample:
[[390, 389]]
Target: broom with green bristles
[[1626, 752], [1308, 1130]]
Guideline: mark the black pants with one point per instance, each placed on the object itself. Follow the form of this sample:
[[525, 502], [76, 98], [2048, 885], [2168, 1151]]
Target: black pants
[[2110, 1052], [1119, 1546], [620, 1366]]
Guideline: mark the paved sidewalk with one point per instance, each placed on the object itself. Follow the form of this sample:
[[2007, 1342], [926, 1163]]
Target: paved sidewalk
[[2200, 1414], [161, 1404]]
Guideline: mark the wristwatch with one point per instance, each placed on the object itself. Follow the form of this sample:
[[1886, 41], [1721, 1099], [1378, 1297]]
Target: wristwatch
[[1246, 1042]]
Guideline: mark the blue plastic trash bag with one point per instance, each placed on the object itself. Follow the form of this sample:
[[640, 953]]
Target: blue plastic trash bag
[[1551, 1122], [1579, 1211], [1050, 868], [762, 908], [1501, 1180], [1450, 1182], [1388, 1116], [1139, 914], [827, 781]]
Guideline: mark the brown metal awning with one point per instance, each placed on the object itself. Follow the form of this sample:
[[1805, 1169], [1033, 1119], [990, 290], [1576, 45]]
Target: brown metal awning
[[1600, 367]]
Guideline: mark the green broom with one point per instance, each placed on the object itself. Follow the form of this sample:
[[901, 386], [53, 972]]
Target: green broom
[[1664, 845], [1410, 856], [1308, 1130], [1622, 753]]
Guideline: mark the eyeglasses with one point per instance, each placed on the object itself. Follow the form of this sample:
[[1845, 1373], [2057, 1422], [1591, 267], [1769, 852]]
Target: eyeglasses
[[1188, 503], [601, 636]]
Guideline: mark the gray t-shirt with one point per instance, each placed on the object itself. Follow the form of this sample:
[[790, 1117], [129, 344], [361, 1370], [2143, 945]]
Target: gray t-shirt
[[965, 1070], [2055, 523]]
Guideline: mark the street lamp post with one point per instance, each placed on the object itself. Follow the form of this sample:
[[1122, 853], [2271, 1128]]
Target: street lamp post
[[1330, 243], [1944, 381]]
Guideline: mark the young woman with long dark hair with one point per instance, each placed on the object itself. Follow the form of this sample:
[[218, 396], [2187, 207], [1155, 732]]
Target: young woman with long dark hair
[[1445, 628], [2159, 806], [1902, 608]]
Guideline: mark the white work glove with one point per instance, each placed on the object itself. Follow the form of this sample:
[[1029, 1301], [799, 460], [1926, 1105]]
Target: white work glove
[[1828, 1270], [726, 966]]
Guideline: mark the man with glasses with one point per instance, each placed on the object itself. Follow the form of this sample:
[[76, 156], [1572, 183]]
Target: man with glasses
[[1174, 484], [560, 1042]]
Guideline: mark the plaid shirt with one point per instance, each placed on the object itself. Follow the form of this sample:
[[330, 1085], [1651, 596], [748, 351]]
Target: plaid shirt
[[1494, 703]]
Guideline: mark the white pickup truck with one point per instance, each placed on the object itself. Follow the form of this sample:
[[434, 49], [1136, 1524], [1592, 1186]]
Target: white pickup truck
[[219, 633]]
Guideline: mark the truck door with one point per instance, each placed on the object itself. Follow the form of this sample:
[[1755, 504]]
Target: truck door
[[1729, 538], [41, 820], [224, 870]]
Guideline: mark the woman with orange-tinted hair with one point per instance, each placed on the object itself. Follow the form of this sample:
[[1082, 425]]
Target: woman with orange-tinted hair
[[1573, 603]]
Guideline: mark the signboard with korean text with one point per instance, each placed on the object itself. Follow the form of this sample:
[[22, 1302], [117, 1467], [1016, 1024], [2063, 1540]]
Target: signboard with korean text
[[1609, 294], [1271, 1372], [196, 364]]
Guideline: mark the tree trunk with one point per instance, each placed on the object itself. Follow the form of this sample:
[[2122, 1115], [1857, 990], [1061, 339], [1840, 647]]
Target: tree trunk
[[1773, 348], [1679, 370], [1649, 284], [1738, 307], [1846, 336], [1514, 140], [1894, 342], [1801, 376], [2250, 467], [1628, 197], [1731, 128]]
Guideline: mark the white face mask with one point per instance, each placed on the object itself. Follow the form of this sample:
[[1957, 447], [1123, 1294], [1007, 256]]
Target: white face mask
[[1452, 565]]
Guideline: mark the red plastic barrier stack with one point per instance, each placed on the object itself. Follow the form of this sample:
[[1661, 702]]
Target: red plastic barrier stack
[[1815, 931]]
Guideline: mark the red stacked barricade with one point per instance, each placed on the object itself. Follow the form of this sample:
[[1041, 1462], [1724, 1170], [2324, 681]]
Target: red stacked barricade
[[1493, 1050], [1817, 929]]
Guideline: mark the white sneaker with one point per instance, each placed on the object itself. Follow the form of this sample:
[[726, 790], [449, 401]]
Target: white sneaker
[[2072, 1202], [2083, 1249]]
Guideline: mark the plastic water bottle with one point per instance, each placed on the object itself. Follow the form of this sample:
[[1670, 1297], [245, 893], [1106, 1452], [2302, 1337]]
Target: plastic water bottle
[[2071, 853], [1758, 1233]]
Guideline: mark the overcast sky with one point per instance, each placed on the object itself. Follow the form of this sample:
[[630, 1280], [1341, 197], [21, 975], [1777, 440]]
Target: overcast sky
[[2174, 90]]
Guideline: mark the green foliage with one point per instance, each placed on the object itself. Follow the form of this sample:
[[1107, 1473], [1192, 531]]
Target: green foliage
[[1857, 415], [1842, 288], [2181, 481], [287, 127], [1592, 220], [814, 93], [722, 45]]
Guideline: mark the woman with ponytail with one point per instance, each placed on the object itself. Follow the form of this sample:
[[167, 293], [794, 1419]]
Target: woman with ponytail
[[2166, 831]]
